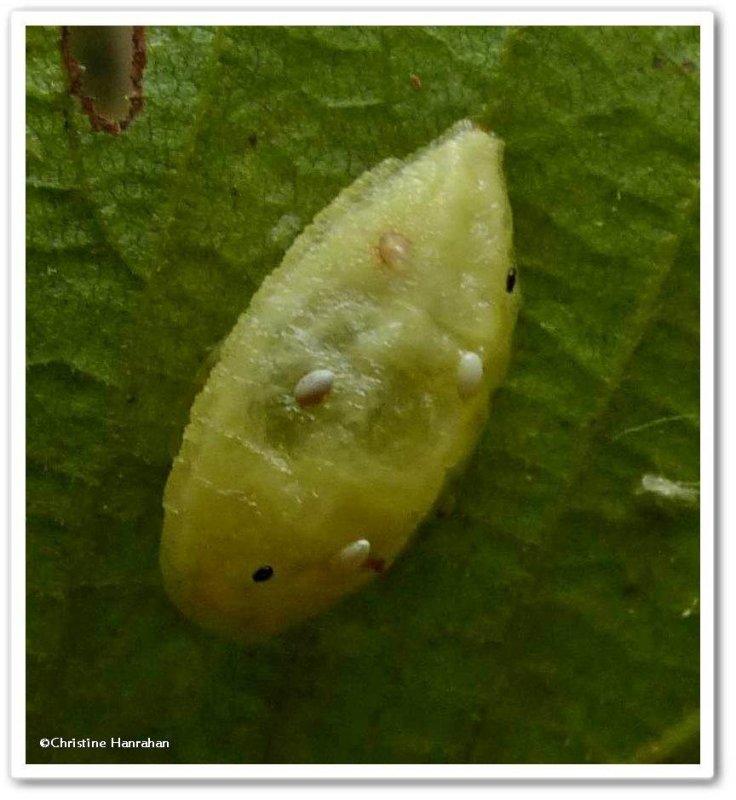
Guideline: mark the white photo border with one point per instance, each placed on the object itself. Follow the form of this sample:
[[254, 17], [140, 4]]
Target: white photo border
[[426, 14]]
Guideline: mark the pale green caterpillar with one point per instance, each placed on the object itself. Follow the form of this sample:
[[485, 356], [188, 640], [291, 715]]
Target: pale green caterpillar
[[359, 377]]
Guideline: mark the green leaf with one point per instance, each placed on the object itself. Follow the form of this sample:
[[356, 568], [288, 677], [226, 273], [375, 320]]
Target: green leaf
[[552, 616]]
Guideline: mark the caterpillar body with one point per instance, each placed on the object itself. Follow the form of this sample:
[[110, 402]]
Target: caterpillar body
[[358, 378]]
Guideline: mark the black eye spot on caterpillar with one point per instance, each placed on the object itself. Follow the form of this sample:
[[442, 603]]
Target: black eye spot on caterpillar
[[511, 280], [262, 574]]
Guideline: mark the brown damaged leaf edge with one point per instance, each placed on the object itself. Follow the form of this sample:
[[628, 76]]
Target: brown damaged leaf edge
[[75, 71]]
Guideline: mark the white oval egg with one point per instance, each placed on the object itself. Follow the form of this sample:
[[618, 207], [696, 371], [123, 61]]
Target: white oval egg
[[313, 387], [469, 374]]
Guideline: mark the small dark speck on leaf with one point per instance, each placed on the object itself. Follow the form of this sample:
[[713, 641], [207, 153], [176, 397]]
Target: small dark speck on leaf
[[630, 589], [657, 62], [252, 139], [415, 81]]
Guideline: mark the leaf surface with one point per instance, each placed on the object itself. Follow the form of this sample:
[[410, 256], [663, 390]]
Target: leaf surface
[[552, 616]]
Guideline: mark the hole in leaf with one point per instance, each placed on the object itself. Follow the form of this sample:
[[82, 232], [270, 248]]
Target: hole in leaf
[[105, 66]]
